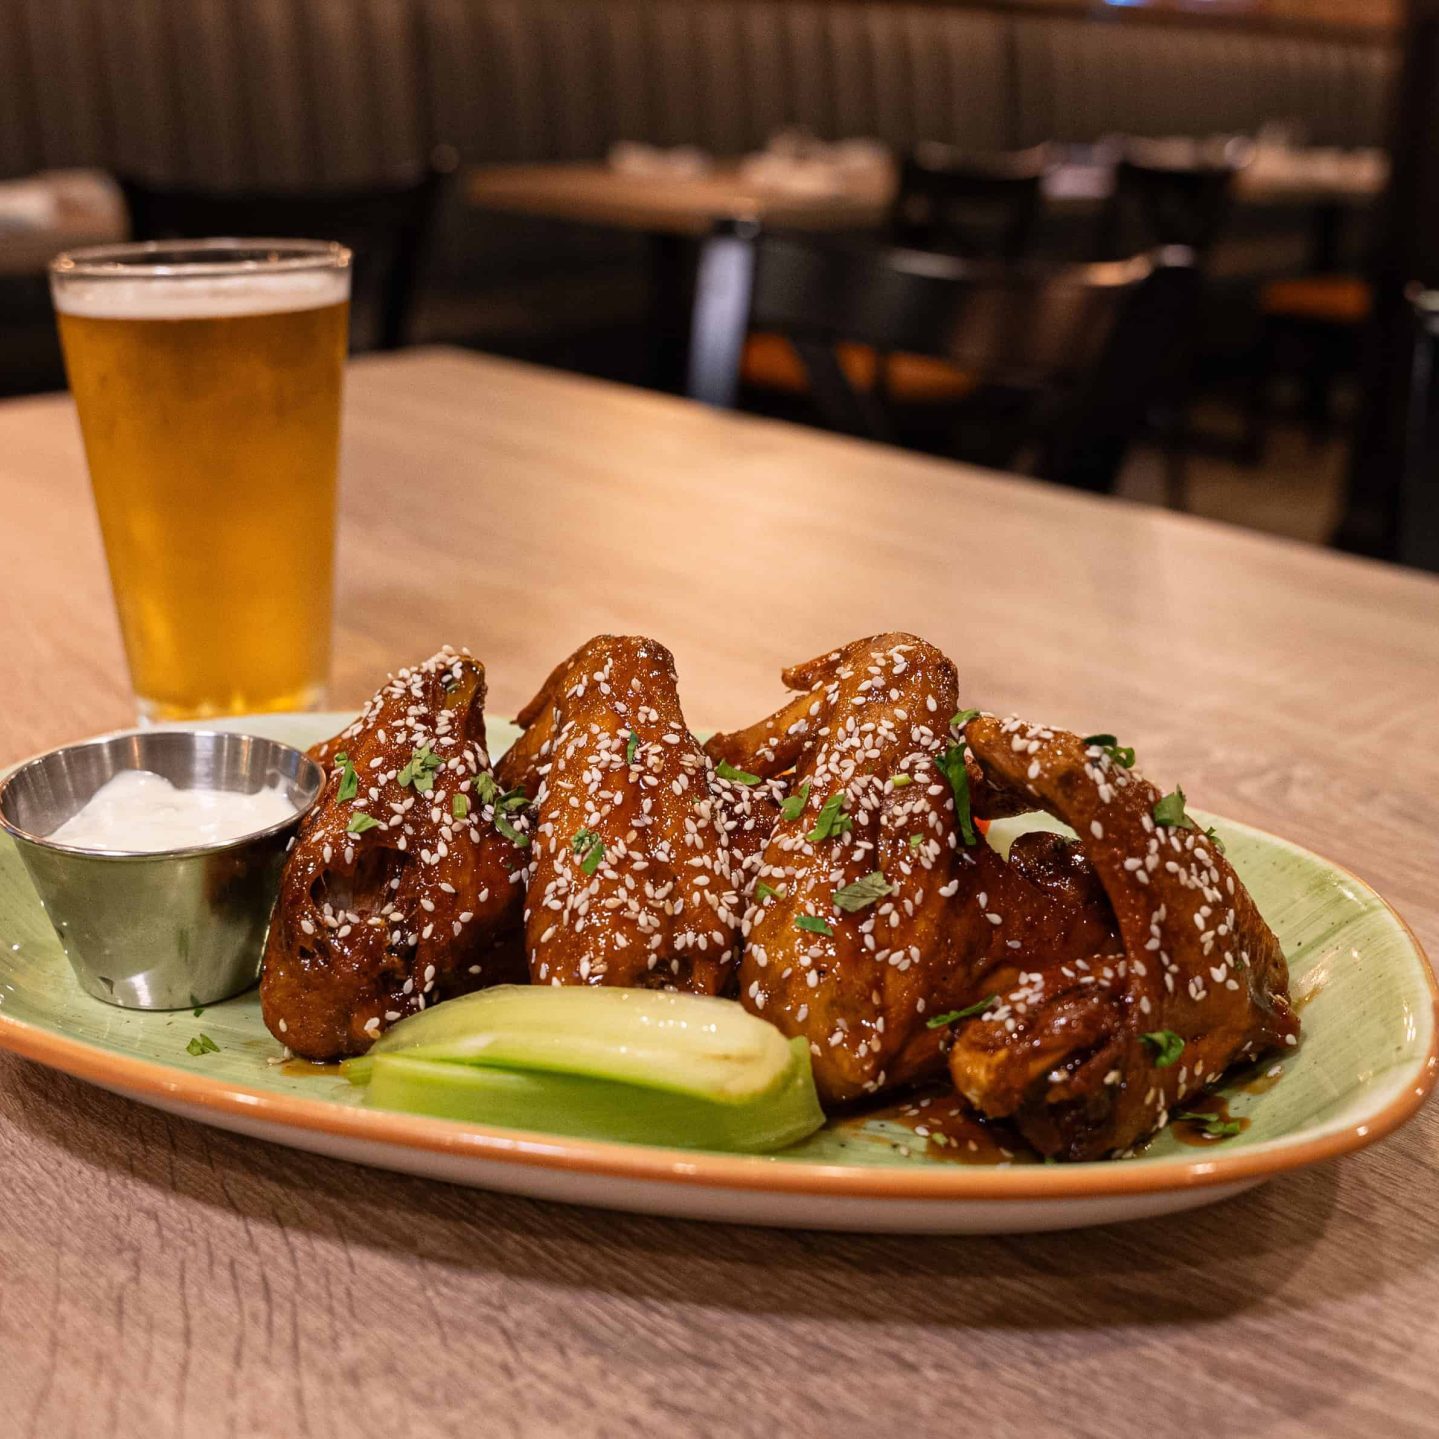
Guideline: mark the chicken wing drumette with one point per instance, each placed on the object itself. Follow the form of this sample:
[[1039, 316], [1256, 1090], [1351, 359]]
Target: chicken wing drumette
[[644, 855], [405, 883], [1089, 1056], [879, 906]]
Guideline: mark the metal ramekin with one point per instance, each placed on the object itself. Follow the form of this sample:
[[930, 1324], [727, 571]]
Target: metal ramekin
[[169, 929]]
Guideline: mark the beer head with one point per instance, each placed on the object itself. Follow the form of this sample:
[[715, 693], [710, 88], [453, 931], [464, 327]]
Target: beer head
[[203, 279], [205, 298]]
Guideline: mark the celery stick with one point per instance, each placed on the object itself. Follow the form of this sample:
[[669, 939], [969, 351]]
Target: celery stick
[[573, 1105], [683, 1043]]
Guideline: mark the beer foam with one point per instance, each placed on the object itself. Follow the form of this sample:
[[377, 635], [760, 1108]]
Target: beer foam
[[200, 297]]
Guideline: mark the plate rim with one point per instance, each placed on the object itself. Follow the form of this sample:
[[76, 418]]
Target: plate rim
[[144, 1079]]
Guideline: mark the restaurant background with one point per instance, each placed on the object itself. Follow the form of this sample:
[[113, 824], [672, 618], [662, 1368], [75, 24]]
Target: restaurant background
[[379, 121]]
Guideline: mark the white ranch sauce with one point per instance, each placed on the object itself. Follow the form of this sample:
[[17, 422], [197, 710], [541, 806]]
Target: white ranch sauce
[[142, 811]]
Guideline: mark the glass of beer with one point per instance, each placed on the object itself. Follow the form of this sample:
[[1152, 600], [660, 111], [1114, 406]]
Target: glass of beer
[[207, 375]]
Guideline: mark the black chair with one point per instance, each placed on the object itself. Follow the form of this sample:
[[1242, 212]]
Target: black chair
[[1169, 192], [386, 227], [1172, 192], [1075, 355], [1416, 528], [975, 205]]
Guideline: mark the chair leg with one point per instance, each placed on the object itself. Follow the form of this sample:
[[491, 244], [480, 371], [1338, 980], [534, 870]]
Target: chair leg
[[1258, 405], [1173, 431], [1176, 477], [1319, 380]]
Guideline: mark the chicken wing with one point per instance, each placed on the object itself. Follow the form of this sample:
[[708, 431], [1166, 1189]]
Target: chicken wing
[[1089, 1056], [879, 906], [405, 882], [644, 855]]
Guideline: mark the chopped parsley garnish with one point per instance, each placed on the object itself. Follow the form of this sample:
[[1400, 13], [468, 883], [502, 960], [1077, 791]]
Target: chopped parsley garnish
[[1167, 1046], [940, 1020], [832, 820], [725, 770], [490, 794], [349, 780], [460, 806], [506, 828], [900, 780], [853, 897], [1213, 1126], [590, 847], [951, 766], [199, 1010], [915, 840], [632, 747], [420, 771], [1170, 811], [793, 807], [202, 1044], [811, 924], [361, 822], [763, 891], [963, 718], [1121, 754]]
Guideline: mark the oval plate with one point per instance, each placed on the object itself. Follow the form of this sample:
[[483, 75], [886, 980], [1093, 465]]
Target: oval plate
[[1366, 1064]]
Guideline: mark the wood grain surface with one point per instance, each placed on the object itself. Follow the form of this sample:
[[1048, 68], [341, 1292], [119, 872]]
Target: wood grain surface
[[594, 194], [159, 1278]]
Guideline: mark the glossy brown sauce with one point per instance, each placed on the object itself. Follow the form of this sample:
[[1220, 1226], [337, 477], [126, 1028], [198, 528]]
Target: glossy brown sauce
[[949, 1130], [1301, 1002], [1262, 1078], [304, 1068], [1192, 1131]]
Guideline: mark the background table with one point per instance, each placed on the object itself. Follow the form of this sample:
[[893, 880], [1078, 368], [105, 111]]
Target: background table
[[596, 194], [158, 1278]]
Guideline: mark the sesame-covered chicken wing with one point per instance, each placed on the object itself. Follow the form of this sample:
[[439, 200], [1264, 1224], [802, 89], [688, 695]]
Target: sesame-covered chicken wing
[[644, 853], [1089, 1056], [405, 883], [879, 907]]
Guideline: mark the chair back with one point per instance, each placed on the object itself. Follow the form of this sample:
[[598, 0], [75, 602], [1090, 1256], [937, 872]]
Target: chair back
[[977, 205], [1170, 193], [1094, 339], [386, 227], [1417, 518]]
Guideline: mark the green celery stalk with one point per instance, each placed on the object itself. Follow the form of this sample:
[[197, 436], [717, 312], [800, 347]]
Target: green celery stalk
[[596, 1108], [712, 1049]]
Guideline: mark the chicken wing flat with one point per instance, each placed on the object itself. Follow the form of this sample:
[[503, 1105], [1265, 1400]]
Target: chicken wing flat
[[644, 855], [405, 883], [1089, 1056], [879, 907]]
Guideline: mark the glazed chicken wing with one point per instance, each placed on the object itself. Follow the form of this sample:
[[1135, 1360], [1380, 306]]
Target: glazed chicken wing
[[643, 856], [1089, 1056], [879, 907], [401, 889]]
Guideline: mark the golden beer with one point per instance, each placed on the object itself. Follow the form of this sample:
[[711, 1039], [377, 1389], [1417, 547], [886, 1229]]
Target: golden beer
[[209, 399]]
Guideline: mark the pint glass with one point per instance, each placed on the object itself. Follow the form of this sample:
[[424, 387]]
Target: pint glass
[[207, 377]]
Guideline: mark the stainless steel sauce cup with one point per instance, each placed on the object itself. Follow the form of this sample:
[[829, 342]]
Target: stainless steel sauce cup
[[168, 929]]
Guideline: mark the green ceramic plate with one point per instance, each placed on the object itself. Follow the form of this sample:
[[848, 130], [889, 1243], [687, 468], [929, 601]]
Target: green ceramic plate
[[1366, 1063]]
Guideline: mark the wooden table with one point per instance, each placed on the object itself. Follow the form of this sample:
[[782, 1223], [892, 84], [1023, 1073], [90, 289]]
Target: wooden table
[[593, 193], [158, 1278]]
